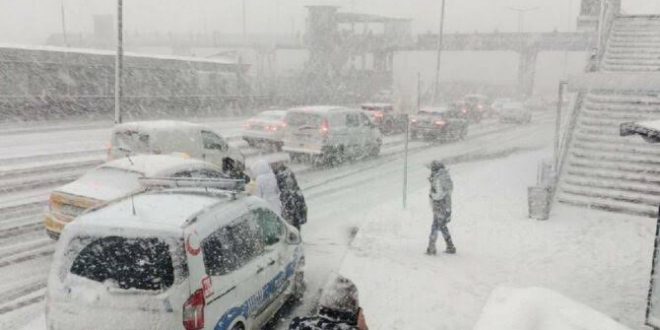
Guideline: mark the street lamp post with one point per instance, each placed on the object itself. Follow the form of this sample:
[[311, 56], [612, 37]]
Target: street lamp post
[[439, 56], [119, 59]]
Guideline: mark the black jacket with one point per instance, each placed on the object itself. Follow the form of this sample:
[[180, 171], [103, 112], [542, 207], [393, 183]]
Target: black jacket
[[294, 208]]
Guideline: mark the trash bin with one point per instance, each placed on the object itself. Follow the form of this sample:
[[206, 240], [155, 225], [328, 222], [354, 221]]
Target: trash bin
[[538, 198]]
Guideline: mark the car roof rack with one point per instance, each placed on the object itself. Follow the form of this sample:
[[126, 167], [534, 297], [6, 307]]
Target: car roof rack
[[230, 185]]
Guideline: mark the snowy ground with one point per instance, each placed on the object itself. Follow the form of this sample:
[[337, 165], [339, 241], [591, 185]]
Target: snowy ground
[[596, 258]]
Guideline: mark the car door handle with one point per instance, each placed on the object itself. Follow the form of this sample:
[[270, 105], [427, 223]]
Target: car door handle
[[260, 269], [272, 262]]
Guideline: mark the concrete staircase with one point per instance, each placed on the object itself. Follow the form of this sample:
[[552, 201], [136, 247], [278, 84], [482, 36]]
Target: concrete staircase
[[606, 171], [601, 169], [633, 45]]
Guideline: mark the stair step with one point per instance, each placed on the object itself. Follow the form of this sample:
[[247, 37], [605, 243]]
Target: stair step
[[614, 185], [611, 175], [608, 205], [606, 198], [628, 69], [619, 167], [644, 99], [634, 62], [616, 195], [632, 142], [623, 148], [613, 157], [621, 115]]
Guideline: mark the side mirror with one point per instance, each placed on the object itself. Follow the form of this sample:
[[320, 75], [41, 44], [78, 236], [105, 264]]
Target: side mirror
[[293, 237]]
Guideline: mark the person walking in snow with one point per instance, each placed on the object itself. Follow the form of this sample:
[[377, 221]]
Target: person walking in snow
[[440, 195], [339, 309], [266, 184], [294, 208]]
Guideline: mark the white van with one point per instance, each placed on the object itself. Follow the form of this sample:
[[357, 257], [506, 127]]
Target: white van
[[330, 133], [168, 136], [175, 258]]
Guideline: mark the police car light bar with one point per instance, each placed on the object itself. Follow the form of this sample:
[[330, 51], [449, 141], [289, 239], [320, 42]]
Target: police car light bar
[[170, 182]]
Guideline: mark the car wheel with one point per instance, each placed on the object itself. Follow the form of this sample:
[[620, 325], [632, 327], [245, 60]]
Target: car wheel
[[375, 150], [298, 286], [238, 326], [413, 135], [388, 127]]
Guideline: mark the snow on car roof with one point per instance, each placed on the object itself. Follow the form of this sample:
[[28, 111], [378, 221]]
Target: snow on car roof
[[318, 108], [158, 125], [376, 105], [158, 165], [160, 208]]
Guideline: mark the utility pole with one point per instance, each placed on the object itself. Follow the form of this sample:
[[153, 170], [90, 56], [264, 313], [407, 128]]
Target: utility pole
[[439, 56], [119, 62], [62, 14], [244, 20], [560, 102]]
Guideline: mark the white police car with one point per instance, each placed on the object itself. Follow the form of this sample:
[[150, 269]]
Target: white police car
[[175, 258]]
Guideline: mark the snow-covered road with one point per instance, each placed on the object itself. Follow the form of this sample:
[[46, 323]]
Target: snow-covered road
[[339, 201]]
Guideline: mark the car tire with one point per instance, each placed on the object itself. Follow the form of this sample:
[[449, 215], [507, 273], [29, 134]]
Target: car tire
[[413, 136], [375, 149], [299, 287], [388, 127], [464, 133], [238, 326]]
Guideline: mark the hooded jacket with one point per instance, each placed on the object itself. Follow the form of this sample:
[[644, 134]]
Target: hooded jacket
[[266, 184], [440, 194]]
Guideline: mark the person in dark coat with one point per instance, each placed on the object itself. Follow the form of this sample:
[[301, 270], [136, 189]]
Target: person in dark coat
[[294, 208], [339, 309], [440, 195]]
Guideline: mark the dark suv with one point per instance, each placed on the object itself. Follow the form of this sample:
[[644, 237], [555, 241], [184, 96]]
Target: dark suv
[[438, 123], [385, 118]]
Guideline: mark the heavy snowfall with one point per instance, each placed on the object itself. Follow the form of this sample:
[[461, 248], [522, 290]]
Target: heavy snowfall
[[345, 164]]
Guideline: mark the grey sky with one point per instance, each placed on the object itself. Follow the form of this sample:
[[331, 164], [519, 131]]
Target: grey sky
[[31, 21]]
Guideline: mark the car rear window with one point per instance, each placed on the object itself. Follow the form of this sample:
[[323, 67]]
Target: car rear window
[[301, 119], [271, 116], [131, 140], [127, 263]]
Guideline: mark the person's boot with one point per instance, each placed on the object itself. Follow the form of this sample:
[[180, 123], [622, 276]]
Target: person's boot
[[431, 250], [451, 249]]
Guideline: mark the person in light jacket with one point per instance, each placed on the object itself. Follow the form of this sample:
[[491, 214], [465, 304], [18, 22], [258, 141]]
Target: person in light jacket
[[266, 184], [440, 196]]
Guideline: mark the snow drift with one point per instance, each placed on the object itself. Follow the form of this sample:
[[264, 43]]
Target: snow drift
[[539, 309]]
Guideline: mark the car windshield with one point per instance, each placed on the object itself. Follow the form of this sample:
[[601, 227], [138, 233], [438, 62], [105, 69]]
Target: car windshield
[[303, 119], [133, 141], [139, 263]]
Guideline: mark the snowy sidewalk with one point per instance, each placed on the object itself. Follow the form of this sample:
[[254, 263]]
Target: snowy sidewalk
[[599, 259]]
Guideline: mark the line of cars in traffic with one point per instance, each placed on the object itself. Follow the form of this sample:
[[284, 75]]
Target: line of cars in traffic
[[165, 234]]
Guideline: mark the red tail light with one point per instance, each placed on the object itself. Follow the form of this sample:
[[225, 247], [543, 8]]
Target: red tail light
[[378, 114], [325, 127], [110, 152], [440, 123], [193, 311]]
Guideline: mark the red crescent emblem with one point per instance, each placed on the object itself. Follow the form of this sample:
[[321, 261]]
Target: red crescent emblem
[[193, 251]]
